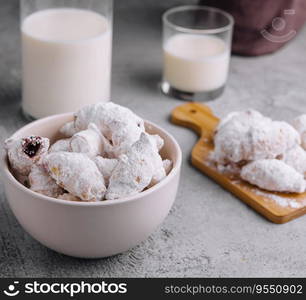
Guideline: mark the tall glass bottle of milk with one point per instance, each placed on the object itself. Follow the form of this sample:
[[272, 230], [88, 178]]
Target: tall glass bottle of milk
[[66, 54]]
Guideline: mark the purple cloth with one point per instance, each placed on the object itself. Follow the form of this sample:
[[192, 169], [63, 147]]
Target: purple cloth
[[262, 26]]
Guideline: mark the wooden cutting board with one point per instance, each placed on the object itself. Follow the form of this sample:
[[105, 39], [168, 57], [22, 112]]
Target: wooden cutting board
[[277, 207]]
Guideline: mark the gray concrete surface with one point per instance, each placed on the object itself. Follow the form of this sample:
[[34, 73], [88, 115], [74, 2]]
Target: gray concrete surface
[[209, 232]]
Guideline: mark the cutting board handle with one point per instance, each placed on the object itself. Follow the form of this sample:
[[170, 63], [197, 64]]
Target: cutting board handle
[[196, 116]]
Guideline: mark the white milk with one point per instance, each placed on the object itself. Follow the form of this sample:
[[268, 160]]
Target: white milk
[[66, 60], [195, 63]]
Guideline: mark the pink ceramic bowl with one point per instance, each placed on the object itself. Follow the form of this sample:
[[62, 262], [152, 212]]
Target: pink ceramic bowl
[[97, 229]]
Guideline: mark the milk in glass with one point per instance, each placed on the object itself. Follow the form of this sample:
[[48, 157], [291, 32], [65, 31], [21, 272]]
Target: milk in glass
[[195, 63]]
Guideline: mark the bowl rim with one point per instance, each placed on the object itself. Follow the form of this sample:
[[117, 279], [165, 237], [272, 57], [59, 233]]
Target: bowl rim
[[11, 178]]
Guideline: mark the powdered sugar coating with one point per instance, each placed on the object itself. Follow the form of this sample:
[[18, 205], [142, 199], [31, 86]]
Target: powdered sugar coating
[[135, 170], [41, 182], [106, 166], [159, 172], [280, 200], [271, 149], [101, 136], [19, 160], [77, 174], [299, 124], [156, 141], [247, 136], [249, 115], [89, 141], [296, 158], [158, 165], [117, 123], [68, 129], [61, 145], [273, 175], [167, 164]]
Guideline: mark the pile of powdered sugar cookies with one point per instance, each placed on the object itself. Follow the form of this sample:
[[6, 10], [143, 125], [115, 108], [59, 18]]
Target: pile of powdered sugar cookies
[[106, 154], [268, 154]]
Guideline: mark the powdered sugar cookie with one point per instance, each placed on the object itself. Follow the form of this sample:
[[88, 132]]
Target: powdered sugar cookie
[[119, 125], [299, 124], [24, 152], [88, 141], [69, 129], [248, 116], [156, 140], [135, 170], [61, 145], [41, 182], [247, 136], [158, 164], [159, 172], [296, 158], [273, 175], [76, 173], [106, 145], [106, 166], [167, 164]]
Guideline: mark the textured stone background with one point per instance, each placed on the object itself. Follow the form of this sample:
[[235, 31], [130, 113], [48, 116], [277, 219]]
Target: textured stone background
[[208, 232]]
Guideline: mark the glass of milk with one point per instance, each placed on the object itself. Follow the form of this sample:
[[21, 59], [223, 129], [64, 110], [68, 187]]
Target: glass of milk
[[196, 51], [66, 54]]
